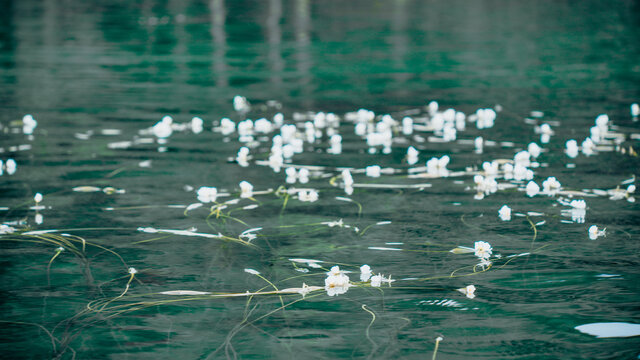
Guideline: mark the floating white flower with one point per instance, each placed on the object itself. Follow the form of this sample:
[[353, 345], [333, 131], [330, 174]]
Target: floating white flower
[[227, 126], [482, 249], [37, 198], [635, 110], [373, 171], [347, 178], [505, 213], [578, 204], [207, 194], [365, 273], [197, 125], [263, 126], [478, 144], [412, 155], [551, 186], [407, 126], [534, 150], [246, 189], [308, 196], [243, 156], [376, 280], [132, 271], [38, 218], [602, 122], [532, 189], [292, 175], [334, 271], [240, 104], [336, 144], [336, 282], [469, 291], [28, 124], [571, 148], [594, 232], [588, 146], [162, 129], [522, 158], [438, 167], [303, 175]]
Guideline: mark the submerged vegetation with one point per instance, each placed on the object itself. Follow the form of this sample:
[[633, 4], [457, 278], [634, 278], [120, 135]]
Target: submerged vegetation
[[255, 223]]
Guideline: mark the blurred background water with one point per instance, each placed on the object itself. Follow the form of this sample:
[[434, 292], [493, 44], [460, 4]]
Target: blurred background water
[[81, 67]]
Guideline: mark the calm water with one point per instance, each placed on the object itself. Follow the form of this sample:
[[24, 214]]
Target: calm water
[[81, 68]]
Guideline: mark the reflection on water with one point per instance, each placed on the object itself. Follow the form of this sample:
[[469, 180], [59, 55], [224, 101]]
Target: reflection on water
[[97, 77]]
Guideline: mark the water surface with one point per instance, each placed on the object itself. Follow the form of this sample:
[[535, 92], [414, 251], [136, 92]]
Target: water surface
[[80, 68]]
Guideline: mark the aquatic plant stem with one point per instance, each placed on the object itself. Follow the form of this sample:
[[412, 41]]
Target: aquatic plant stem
[[435, 349], [366, 332]]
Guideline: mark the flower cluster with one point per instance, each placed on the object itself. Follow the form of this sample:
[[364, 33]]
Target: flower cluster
[[336, 282]]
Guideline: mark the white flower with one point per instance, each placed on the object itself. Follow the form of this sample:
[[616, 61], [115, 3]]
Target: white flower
[[438, 167], [373, 171], [412, 155], [635, 110], [505, 213], [469, 291], [588, 147], [252, 272], [334, 271], [207, 194], [197, 125], [478, 143], [28, 124], [37, 198], [227, 126], [162, 129], [482, 249], [551, 186], [263, 125], [303, 175], [594, 232], [133, 271], [571, 148], [532, 189], [308, 196], [347, 178], [578, 204], [240, 104], [407, 125], [365, 272], [545, 129], [336, 282], [243, 156], [10, 165], [376, 280], [522, 158], [59, 249], [39, 219], [246, 189], [534, 150]]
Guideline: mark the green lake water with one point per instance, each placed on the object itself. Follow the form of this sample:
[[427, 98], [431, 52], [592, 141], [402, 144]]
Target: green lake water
[[98, 75]]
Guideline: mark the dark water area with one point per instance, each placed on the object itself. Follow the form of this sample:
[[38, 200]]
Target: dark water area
[[97, 76]]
